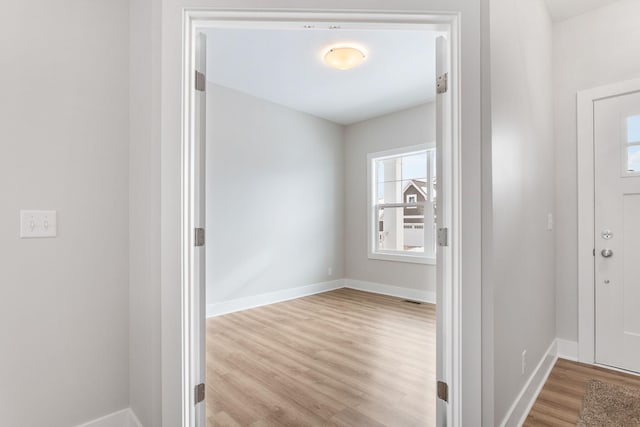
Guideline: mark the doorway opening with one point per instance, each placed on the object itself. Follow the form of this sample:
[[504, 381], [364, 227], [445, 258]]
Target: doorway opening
[[251, 201]]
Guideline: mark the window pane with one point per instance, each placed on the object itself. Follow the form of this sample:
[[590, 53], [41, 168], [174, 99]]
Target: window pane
[[401, 229], [633, 158], [402, 191], [414, 166], [379, 171], [633, 129], [395, 176]]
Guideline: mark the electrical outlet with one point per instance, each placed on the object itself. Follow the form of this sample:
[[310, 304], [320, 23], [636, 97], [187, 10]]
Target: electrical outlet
[[550, 221], [524, 362], [330, 271]]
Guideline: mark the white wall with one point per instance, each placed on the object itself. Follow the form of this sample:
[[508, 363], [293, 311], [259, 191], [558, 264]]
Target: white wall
[[402, 129], [170, 51], [274, 197], [63, 126], [523, 192], [593, 49], [144, 224]]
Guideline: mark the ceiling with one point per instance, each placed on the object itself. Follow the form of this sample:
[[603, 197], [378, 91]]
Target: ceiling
[[565, 9], [285, 66]]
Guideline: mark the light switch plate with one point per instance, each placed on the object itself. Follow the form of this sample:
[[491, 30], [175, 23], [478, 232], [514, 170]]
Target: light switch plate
[[38, 224]]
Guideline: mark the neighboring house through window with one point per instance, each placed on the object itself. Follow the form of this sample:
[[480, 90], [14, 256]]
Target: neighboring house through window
[[402, 201]]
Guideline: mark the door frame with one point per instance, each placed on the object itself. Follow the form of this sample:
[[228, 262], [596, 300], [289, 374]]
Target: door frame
[[586, 211], [198, 19]]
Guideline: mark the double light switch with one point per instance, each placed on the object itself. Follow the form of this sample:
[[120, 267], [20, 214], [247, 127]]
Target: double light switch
[[38, 224]]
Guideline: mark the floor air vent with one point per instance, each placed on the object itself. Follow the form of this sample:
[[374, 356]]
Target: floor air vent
[[412, 302]]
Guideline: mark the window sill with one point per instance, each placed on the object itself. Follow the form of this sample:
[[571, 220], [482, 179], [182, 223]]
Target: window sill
[[412, 259]]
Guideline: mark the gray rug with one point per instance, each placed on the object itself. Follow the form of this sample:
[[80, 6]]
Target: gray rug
[[610, 405]]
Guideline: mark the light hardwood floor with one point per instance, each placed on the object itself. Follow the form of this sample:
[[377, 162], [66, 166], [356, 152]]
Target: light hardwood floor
[[560, 400], [341, 358]]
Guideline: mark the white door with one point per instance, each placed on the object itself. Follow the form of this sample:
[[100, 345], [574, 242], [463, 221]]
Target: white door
[[199, 158], [617, 231], [444, 212]]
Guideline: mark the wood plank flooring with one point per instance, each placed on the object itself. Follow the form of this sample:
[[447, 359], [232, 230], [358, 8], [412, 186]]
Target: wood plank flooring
[[560, 400], [341, 358]]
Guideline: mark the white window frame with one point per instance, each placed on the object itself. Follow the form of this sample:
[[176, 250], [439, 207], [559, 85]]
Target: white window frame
[[372, 208]]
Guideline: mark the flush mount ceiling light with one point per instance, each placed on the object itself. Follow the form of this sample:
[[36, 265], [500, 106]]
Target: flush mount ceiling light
[[344, 58]]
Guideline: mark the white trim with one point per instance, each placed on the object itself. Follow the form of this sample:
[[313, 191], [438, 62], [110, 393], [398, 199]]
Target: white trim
[[122, 418], [567, 350], [135, 421], [613, 368], [519, 410], [405, 256], [402, 205], [449, 258], [189, 287], [586, 204], [390, 290], [254, 301], [401, 151]]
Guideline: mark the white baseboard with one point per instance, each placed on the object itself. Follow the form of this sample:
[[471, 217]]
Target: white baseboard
[[394, 291], [521, 407], [133, 419], [122, 418], [245, 303], [567, 350]]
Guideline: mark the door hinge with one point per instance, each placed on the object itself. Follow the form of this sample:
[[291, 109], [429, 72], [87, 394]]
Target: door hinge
[[443, 391], [200, 81], [199, 237], [442, 83], [199, 393], [443, 236]]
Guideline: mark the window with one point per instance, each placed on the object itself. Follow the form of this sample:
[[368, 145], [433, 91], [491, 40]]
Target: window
[[402, 203], [633, 144]]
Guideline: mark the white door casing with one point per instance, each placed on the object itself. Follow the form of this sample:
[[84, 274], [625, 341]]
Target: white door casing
[[199, 162], [617, 233], [193, 315], [586, 245], [443, 258]]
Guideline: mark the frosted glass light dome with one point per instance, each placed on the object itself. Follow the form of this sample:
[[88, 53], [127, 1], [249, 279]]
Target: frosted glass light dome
[[344, 58]]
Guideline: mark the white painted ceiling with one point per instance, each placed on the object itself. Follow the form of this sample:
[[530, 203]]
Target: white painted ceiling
[[565, 9], [285, 66]]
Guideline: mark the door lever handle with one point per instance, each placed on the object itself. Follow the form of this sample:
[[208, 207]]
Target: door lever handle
[[607, 253]]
